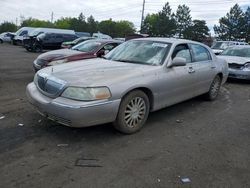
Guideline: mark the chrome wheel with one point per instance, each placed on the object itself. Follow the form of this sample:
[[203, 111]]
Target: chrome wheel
[[135, 111]]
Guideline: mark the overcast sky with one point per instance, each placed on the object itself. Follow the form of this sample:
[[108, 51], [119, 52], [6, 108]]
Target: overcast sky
[[209, 10]]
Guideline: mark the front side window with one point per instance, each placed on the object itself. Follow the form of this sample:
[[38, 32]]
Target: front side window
[[140, 52], [200, 53], [23, 33], [182, 51], [87, 46]]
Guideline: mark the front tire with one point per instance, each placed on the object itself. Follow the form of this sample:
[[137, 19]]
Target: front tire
[[133, 112], [214, 89], [1, 41]]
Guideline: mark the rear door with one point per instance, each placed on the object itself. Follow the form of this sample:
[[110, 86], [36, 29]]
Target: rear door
[[203, 67]]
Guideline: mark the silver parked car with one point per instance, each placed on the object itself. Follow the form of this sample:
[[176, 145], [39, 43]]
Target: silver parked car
[[219, 46], [238, 58], [137, 77]]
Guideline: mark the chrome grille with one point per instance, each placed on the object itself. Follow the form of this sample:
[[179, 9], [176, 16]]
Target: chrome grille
[[50, 86], [235, 66]]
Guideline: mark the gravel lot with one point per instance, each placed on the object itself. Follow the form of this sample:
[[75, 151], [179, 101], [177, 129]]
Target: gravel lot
[[207, 142]]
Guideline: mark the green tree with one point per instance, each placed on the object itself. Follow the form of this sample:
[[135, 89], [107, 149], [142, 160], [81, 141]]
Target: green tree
[[160, 24], [198, 31], [183, 20], [151, 24], [63, 23], [124, 28], [247, 19], [7, 26], [232, 26], [32, 22], [108, 27], [92, 25], [166, 22]]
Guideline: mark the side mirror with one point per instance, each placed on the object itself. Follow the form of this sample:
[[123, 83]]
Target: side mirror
[[178, 61]]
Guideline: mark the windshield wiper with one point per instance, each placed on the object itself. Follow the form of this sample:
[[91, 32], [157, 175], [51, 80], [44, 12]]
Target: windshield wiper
[[130, 61]]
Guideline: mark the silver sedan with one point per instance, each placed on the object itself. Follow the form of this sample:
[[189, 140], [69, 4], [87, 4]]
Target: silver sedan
[[138, 77], [238, 58]]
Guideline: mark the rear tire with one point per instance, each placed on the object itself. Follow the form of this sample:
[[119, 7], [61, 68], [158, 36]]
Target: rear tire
[[133, 112], [214, 89], [1, 41]]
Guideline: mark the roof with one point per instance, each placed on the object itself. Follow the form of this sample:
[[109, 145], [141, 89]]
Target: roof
[[106, 40], [239, 46], [168, 40]]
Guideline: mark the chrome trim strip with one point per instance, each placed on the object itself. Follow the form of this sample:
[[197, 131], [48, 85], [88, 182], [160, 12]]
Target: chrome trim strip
[[83, 106]]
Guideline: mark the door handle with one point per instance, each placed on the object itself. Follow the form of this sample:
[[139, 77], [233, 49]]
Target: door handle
[[191, 70], [213, 67]]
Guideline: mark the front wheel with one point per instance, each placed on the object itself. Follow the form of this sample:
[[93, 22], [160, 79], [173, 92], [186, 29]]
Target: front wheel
[[214, 89], [1, 41], [133, 112]]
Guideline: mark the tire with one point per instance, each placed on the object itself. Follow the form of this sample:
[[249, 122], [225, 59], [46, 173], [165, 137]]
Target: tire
[[38, 49], [214, 89], [1, 41], [133, 112]]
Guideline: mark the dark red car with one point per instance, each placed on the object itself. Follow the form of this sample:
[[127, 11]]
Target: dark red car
[[85, 50]]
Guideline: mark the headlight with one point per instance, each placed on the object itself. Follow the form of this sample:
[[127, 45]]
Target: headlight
[[86, 94], [57, 62], [247, 66]]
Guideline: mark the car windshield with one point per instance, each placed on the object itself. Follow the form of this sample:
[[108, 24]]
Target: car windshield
[[35, 32], [140, 52], [87, 46], [241, 52], [220, 45]]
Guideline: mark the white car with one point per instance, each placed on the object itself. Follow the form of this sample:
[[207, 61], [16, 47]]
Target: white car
[[238, 58], [219, 46], [5, 37]]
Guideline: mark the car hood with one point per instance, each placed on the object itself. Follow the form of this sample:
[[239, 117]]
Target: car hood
[[95, 72], [235, 59], [59, 54]]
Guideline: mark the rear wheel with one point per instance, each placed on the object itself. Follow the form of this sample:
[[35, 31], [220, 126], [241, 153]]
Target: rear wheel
[[214, 89], [133, 112], [38, 48], [1, 41]]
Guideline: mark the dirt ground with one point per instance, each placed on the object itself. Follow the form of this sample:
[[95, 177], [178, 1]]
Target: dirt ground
[[207, 142]]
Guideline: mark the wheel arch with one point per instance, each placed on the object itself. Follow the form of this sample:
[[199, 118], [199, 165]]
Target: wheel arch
[[146, 90]]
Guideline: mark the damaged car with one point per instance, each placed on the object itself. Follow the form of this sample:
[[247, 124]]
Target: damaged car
[[238, 58]]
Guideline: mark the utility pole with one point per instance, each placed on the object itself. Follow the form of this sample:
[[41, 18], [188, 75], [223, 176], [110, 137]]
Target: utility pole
[[16, 22], [52, 17], [142, 14]]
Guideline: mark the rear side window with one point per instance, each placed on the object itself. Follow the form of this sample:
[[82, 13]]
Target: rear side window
[[200, 53]]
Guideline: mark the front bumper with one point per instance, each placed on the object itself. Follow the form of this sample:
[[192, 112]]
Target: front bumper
[[239, 74], [70, 112], [36, 66]]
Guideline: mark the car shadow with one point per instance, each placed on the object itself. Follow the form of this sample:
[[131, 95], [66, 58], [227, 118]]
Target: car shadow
[[237, 81]]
